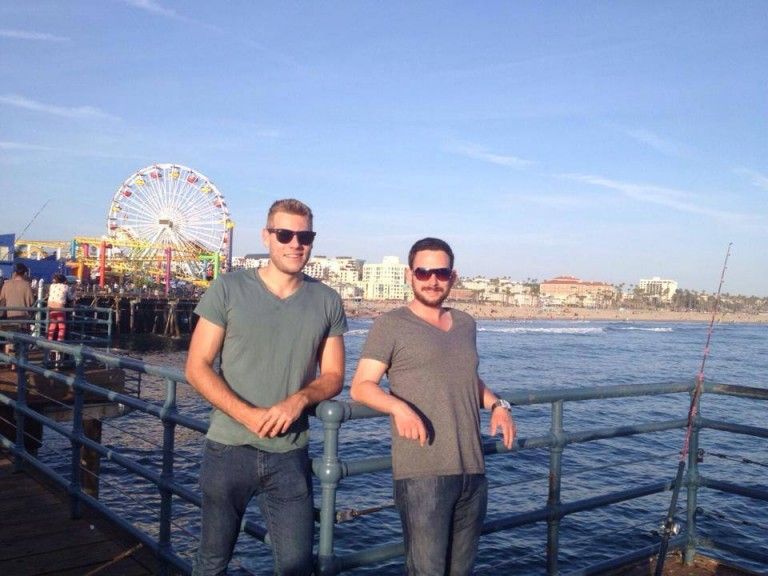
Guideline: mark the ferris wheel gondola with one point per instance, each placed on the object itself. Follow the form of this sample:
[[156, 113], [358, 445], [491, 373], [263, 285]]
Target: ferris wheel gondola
[[170, 208]]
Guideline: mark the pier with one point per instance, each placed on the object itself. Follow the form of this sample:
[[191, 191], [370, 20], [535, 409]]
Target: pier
[[39, 536], [170, 534], [145, 314]]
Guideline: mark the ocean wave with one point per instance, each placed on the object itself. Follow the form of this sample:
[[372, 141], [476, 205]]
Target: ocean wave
[[641, 328], [549, 330], [357, 332]]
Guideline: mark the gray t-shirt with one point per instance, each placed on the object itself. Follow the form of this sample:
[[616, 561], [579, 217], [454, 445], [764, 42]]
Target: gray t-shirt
[[436, 373], [270, 348]]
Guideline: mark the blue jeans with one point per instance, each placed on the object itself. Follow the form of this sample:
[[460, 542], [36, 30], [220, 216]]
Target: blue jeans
[[442, 518], [229, 477]]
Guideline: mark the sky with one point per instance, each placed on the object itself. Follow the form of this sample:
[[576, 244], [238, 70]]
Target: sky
[[610, 141]]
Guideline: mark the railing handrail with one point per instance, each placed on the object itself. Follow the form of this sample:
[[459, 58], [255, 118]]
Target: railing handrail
[[331, 469]]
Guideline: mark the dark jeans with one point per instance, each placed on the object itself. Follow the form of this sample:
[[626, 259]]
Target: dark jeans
[[442, 518], [230, 476]]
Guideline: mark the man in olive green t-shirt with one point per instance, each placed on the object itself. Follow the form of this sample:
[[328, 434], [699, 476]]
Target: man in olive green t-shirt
[[273, 328]]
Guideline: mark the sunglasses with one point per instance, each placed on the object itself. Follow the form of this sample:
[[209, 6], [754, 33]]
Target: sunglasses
[[442, 274], [306, 237]]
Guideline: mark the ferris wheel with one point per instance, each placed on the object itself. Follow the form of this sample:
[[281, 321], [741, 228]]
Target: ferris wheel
[[171, 209]]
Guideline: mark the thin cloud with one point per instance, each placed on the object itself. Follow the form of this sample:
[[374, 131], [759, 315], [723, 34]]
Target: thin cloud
[[676, 199], [24, 146], [757, 179], [28, 35], [66, 112], [663, 145], [478, 153], [152, 7], [156, 9]]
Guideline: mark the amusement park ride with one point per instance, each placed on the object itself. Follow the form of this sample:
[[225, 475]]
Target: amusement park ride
[[165, 221]]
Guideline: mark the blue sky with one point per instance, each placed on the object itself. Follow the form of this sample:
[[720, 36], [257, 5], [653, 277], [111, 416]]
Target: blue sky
[[611, 141]]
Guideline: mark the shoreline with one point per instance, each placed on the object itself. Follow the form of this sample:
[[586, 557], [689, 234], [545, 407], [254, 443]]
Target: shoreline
[[495, 311]]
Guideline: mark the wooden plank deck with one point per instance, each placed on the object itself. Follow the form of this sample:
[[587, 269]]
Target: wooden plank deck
[[37, 535]]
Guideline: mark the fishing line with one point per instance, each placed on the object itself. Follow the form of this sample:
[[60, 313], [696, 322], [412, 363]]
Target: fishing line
[[740, 460], [670, 527], [18, 236]]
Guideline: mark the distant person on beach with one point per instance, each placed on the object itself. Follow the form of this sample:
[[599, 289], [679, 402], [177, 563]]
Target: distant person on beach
[[273, 328], [429, 355], [17, 293]]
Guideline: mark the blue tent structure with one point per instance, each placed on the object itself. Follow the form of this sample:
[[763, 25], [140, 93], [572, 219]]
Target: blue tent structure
[[43, 269], [6, 254]]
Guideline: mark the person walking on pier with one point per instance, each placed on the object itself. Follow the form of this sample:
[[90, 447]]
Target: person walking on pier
[[273, 327], [429, 355], [16, 293], [59, 296]]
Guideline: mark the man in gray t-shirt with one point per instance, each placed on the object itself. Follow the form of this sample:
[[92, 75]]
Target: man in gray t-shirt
[[272, 327], [429, 355]]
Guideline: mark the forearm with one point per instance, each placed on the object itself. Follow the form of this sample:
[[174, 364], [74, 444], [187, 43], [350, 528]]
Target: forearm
[[487, 397], [211, 386], [374, 396], [324, 387]]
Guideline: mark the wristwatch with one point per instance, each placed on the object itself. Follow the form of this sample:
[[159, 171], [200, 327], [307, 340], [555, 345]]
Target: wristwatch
[[501, 403]]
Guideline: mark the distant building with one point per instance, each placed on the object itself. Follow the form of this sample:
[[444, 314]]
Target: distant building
[[501, 290], [571, 291], [658, 288], [385, 281], [252, 261], [464, 295]]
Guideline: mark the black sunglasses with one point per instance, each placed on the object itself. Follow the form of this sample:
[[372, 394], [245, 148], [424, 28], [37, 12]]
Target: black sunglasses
[[306, 237], [442, 274]]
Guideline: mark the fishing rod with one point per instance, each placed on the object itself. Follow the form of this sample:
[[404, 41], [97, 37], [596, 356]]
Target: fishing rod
[[670, 527], [18, 237]]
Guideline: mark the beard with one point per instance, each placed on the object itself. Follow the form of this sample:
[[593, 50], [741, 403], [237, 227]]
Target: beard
[[432, 298]]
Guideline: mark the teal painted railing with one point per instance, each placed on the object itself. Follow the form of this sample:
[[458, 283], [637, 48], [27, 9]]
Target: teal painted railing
[[85, 324], [332, 469]]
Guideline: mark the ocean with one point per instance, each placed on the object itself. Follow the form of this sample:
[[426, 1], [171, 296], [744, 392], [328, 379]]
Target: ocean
[[517, 356]]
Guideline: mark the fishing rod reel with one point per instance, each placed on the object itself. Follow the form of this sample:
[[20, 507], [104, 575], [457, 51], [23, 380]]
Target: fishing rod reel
[[671, 528]]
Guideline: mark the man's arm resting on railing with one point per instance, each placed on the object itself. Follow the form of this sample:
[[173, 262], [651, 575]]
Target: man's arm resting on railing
[[328, 384], [203, 348], [367, 390]]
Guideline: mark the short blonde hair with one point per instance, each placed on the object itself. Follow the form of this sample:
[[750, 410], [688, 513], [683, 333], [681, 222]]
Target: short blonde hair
[[289, 206]]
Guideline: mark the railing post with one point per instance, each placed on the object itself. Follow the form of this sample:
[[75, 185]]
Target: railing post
[[328, 470], [21, 350], [166, 476], [555, 480], [693, 482], [110, 317], [75, 483]]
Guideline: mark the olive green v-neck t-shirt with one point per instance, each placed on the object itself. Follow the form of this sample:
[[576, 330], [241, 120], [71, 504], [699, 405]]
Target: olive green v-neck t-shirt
[[270, 348]]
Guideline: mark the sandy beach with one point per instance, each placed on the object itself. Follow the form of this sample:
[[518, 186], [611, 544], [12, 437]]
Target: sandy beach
[[495, 311]]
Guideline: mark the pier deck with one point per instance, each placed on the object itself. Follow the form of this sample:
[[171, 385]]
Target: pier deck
[[37, 535]]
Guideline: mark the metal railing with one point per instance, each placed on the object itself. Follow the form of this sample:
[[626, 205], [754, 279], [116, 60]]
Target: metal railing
[[85, 324], [332, 469]]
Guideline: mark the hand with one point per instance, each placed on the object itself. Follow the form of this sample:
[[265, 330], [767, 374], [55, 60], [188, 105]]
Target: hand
[[270, 422], [409, 424], [501, 419]]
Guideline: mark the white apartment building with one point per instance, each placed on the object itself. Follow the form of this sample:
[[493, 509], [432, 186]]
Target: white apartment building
[[385, 281], [662, 289]]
